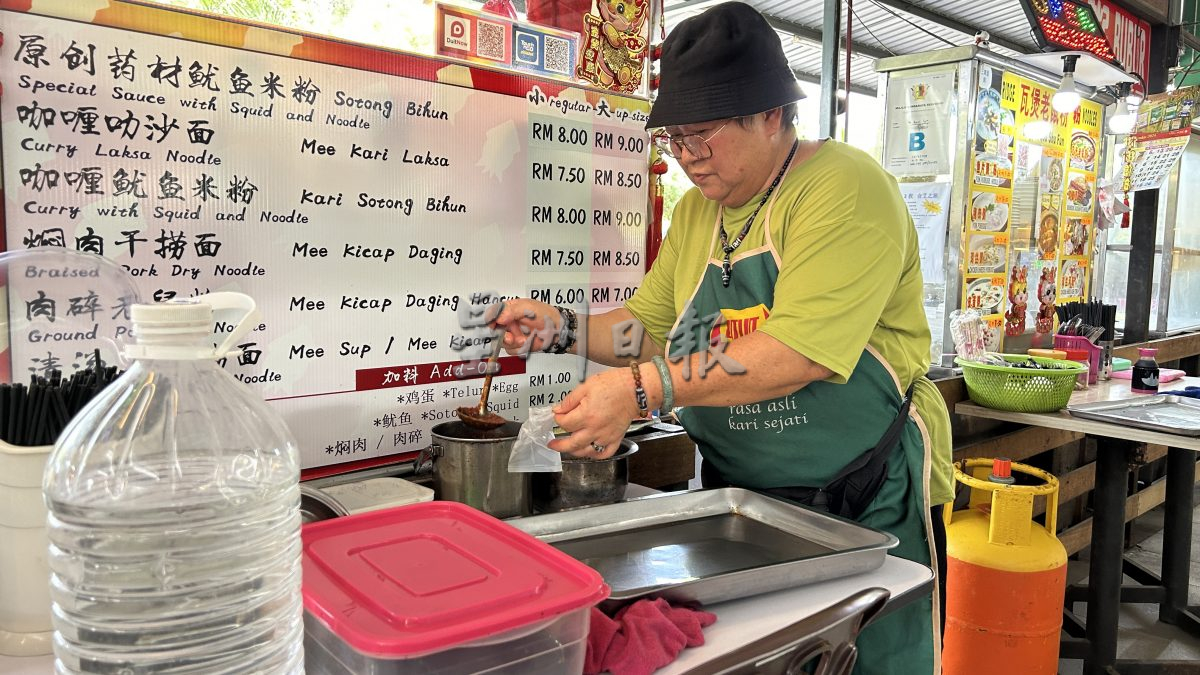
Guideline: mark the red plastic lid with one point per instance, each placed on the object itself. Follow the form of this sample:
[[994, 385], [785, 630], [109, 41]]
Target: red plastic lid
[[427, 577], [1147, 351], [1077, 355], [1002, 468]]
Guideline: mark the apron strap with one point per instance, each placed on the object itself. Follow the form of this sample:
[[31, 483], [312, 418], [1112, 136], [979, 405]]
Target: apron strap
[[855, 486]]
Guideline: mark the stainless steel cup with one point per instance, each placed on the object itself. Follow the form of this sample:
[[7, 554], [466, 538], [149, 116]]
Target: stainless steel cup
[[584, 481], [471, 466]]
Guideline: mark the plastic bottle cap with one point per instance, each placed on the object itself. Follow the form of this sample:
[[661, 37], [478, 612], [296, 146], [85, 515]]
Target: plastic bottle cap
[[170, 330], [1077, 355], [1002, 468], [1147, 351], [171, 317]]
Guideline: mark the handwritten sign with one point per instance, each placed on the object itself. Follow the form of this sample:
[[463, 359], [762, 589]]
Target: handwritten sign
[[368, 214]]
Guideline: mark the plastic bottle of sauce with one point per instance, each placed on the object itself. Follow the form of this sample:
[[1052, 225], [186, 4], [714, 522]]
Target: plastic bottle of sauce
[[1145, 373]]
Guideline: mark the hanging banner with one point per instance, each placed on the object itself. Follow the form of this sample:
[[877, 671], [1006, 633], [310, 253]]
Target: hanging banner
[[1159, 139], [920, 115]]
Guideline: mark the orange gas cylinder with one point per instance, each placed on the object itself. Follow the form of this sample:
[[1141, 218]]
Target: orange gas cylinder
[[1005, 575]]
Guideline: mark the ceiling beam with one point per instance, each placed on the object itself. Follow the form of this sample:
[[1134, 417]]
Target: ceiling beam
[[816, 79], [813, 35], [1190, 40], [952, 24]]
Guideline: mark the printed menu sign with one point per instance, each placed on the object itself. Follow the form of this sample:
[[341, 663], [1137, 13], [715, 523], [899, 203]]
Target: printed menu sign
[[1029, 230], [372, 216]]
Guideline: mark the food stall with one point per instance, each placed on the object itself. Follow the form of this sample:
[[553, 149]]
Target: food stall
[[1003, 188], [373, 203]]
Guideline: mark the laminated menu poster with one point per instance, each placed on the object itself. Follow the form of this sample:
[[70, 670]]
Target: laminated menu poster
[[1029, 230], [372, 202]]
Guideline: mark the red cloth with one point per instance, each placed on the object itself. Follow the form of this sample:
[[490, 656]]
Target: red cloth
[[642, 637]]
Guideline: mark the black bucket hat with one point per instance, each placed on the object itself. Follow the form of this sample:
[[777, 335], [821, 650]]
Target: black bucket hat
[[725, 62]]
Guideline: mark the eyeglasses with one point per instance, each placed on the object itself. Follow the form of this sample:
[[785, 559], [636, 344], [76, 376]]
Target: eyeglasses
[[696, 145]]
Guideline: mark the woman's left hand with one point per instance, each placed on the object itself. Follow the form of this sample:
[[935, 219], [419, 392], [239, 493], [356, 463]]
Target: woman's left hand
[[597, 413]]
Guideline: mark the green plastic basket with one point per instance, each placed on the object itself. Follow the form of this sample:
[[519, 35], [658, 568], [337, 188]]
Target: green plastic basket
[[1021, 389]]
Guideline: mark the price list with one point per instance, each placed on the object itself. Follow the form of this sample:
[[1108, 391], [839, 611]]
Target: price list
[[370, 215]]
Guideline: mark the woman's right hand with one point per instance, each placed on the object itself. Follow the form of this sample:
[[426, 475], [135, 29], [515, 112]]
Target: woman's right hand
[[528, 325]]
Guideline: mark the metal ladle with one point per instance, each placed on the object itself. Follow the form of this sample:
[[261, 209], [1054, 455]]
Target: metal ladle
[[480, 417]]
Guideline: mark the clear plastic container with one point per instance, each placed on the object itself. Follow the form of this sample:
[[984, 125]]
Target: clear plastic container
[[174, 513]]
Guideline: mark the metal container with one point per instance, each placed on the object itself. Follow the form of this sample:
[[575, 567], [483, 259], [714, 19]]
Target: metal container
[[316, 505], [471, 466], [709, 546], [583, 482]]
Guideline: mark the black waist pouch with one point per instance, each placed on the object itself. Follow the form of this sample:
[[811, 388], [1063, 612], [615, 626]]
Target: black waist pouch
[[853, 488]]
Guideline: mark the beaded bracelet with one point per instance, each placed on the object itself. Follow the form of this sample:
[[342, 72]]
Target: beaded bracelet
[[566, 332], [668, 388], [643, 402]]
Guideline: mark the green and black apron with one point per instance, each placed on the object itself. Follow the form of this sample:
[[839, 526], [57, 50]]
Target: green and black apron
[[804, 439]]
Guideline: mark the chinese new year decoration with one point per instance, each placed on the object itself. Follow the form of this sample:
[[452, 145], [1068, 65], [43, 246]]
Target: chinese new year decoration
[[614, 45]]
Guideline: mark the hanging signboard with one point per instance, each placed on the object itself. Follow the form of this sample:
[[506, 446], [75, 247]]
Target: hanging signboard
[[1068, 25], [367, 199], [1128, 35]]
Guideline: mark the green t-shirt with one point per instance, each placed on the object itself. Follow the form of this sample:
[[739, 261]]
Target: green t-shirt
[[849, 276]]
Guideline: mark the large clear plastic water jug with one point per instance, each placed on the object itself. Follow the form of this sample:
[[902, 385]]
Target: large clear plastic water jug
[[174, 516]]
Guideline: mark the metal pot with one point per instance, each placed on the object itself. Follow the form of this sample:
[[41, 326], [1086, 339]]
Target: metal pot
[[584, 481], [471, 466]]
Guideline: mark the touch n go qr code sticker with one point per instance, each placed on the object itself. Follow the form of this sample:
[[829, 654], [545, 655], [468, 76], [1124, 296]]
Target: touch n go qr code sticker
[[487, 38]]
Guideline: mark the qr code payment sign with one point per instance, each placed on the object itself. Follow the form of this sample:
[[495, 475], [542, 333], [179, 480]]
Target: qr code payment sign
[[457, 33], [492, 41], [558, 55]]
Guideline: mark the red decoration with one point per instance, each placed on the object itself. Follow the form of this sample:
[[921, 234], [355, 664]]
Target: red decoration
[[503, 8]]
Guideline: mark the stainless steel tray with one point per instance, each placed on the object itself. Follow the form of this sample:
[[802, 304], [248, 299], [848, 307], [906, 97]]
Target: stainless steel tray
[[709, 545], [1170, 414]]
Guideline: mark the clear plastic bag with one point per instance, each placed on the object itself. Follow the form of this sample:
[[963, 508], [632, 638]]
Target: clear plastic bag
[[530, 452], [969, 333]]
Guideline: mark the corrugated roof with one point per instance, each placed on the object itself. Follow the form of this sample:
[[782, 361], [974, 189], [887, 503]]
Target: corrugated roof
[[880, 28], [1001, 18]]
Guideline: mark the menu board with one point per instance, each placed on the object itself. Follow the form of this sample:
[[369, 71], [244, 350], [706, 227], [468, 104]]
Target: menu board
[[1030, 225], [372, 202]]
